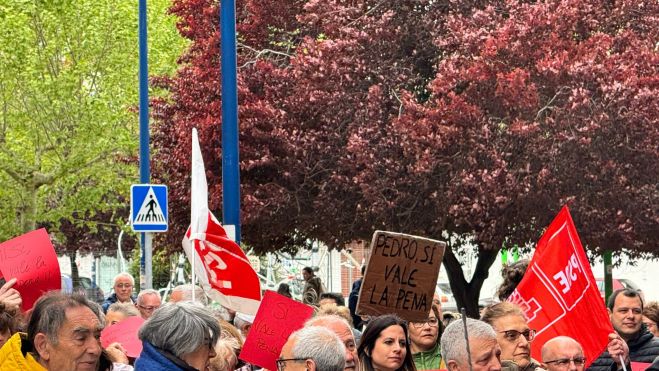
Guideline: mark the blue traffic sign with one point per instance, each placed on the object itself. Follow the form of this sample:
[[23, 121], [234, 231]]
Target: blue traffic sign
[[148, 207]]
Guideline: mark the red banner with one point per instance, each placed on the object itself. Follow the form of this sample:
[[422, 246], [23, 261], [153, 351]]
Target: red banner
[[223, 270], [558, 292]]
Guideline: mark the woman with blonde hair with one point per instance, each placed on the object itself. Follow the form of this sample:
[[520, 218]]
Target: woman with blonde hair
[[513, 335]]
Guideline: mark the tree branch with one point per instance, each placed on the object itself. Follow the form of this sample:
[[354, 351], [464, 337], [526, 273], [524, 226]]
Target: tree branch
[[259, 53], [13, 174]]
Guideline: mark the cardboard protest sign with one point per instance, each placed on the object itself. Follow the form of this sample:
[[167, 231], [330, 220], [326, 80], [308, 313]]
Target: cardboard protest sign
[[401, 275], [277, 318], [32, 260], [124, 333], [559, 294]]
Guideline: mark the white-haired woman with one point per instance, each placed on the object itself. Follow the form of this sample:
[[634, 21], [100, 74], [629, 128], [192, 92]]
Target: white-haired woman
[[179, 336]]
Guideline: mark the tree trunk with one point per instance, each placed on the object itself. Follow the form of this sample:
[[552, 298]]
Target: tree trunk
[[28, 213], [466, 294]]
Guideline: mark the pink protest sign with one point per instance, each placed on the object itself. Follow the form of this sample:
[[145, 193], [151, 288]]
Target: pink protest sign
[[32, 260], [124, 333], [277, 318], [640, 366]]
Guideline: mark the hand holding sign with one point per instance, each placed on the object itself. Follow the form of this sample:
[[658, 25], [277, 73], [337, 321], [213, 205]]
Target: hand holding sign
[[9, 296], [31, 259]]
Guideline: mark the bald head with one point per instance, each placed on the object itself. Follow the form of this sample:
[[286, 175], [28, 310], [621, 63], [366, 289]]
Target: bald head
[[562, 349], [342, 329]]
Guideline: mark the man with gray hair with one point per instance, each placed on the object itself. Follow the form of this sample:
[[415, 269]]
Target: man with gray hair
[[484, 351], [342, 329], [62, 334], [178, 336], [123, 291], [184, 293], [312, 348], [148, 300]]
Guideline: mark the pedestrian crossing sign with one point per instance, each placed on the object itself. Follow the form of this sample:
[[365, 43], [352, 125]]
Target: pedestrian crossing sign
[[148, 207]]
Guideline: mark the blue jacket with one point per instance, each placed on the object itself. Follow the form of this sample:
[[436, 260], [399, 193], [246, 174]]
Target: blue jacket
[[113, 299], [154, 359]]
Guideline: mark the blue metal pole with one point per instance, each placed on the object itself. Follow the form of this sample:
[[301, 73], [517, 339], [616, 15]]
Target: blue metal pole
[[145, 172], [230, 158]]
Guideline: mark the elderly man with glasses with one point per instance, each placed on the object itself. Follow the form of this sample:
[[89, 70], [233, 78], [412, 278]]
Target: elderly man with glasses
[[148, 301], [312, 348], [563, 353], [123, 291]]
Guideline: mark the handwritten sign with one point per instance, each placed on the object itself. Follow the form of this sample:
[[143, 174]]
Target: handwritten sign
[[124, 333], [277, 318], [32, 260], [401, 275]]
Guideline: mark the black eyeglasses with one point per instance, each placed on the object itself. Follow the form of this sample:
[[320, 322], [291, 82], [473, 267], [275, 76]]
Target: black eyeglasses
[[513, 335], [281, 363], [432, 322], [564, 362]]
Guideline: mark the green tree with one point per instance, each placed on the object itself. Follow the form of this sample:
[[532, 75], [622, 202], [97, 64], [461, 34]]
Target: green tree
[[68, 123]]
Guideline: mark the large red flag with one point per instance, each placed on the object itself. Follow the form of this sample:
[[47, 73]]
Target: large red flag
[[220, 264], [558, 292]]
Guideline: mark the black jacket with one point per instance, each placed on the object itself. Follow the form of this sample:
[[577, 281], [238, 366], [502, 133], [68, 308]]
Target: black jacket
[[642, 348], [352, 303], [654, 366]]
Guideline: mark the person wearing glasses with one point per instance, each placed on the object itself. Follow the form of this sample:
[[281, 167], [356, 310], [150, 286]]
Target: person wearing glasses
[[484, 351], [123, 291], [179, 336], [513, 335], [563, 353], [312, 348], [651, 317], [340, 326], [424, 341], [148, 300]]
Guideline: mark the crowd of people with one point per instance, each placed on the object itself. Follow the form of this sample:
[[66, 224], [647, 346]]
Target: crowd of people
[[62, 332]]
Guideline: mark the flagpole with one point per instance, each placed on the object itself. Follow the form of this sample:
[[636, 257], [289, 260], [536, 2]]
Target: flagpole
[[192, 245]]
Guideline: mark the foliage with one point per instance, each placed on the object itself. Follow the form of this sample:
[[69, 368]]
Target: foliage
[[68, 130], [162, 266], [472, 121]]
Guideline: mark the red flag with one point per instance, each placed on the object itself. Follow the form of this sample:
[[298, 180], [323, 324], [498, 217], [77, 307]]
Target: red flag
[[558, 292], [220, 264]]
